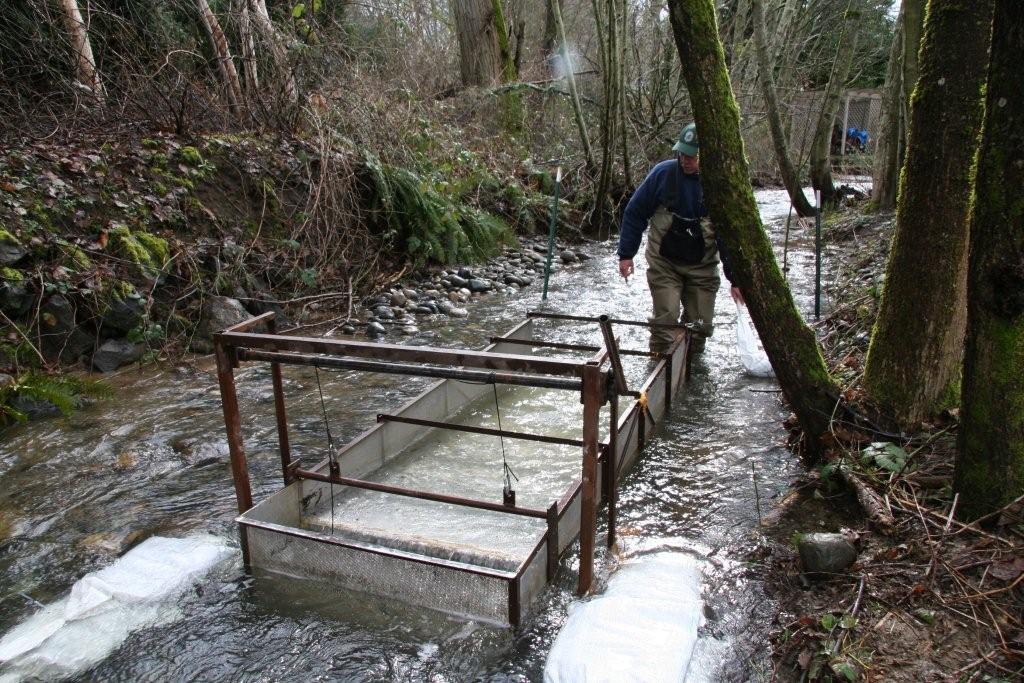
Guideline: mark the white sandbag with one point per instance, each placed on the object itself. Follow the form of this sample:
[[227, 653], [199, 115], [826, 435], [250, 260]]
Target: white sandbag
[[642, 629], [748, 344], [106, 606]]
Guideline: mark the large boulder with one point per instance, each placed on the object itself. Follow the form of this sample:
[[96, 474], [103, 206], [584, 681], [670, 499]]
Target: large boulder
[[116, 352], [59, 335], [11, 250], [220, 312], [826, 553], [124, 313], [16, 298]]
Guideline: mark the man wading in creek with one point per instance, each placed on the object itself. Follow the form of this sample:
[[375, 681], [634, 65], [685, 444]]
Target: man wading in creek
[[682, 250]]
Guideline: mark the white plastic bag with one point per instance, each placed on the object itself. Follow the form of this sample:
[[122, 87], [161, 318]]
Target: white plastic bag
[[749, 346]]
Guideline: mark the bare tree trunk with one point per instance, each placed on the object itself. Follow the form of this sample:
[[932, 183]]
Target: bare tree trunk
[[549, 43], [85, 64], [250, 71], [789, 343], [990, 463], [821, 163], [913, 27], [276, 42], [233, 88], [915, 355], [479, 53], [890, 137], [790, 174], [570, 76], [608, 50]]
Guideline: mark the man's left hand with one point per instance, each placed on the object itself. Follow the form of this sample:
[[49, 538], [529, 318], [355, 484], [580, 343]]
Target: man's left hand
[[737, 295]]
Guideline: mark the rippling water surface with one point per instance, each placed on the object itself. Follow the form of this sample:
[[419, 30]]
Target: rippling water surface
[[154, 460]]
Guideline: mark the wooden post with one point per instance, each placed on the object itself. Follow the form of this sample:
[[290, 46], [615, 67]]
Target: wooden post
[[593, 396]]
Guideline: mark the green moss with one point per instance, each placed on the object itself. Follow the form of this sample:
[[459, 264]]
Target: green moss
[[11, 275], [191, 156], [149, 143], [122, 289], [141, 248], [6, 236], [78, 256], [156, 246]]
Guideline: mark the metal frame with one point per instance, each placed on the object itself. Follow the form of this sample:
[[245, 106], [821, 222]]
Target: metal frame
[[601, 463]]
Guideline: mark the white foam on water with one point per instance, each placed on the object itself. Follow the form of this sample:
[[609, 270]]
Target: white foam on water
[[106, 606], [643, 628]]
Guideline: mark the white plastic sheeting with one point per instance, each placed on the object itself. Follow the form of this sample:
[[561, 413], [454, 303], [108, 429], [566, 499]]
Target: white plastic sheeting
[[106, 606], [642, 629], [755, 360]]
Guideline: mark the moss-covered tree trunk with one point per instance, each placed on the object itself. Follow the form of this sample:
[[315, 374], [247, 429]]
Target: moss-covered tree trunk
[[479, 53], [790, 174], [821, 144], [913, 364], [990, 464], [790, 344], [510, 101]]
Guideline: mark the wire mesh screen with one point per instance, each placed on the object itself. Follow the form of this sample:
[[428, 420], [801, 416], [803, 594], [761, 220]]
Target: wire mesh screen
[[443, 588]]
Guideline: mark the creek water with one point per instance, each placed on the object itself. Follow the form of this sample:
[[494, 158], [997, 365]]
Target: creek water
[[153, 460]]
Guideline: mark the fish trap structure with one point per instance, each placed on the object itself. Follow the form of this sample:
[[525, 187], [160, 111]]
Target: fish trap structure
[[353, 520]]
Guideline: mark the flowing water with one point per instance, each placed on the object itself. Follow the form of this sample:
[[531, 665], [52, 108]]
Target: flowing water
[[153, 460]]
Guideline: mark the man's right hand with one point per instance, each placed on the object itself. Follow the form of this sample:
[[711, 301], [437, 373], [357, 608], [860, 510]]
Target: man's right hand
[[626, 268]]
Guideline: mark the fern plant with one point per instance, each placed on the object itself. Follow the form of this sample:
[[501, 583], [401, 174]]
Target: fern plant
[[65, 392]]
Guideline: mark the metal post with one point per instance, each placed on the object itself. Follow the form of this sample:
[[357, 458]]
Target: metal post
[[552, 541], [282, 416], [551, 234], [233, 423], [817, 255], [593, 397], [613, 353], [611, 467]]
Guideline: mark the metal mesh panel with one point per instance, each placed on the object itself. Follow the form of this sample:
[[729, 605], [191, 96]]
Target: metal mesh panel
[[443, 588]]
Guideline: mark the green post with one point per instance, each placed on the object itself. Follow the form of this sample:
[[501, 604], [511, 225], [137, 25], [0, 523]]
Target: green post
[[551, 233]]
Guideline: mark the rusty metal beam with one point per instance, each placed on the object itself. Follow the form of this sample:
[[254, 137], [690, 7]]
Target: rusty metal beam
[[407, 354], [592, 319], [477, 376], [280, 413], [587, 348], [612, 347], [610, 469], [422, 495], [233, 425], [251, 323], [480, 430], [594, 394]]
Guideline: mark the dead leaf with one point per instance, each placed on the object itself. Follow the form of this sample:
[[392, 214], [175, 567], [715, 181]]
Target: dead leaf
[[1008, 570], [804, 659]]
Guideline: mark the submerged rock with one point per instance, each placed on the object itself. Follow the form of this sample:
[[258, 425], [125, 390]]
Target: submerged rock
[[826, 553], [375, 329]]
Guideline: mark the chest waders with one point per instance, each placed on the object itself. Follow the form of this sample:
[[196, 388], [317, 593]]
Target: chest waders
[[674, 284]]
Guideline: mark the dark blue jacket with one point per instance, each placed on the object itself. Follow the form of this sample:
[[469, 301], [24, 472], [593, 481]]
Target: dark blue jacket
[[652, 193]]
